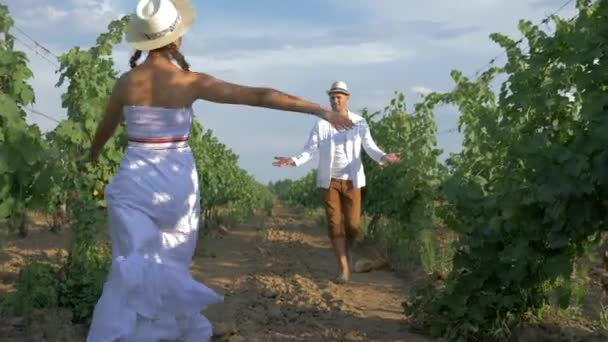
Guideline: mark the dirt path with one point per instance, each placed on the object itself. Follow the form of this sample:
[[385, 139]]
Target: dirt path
[[276, 277], [275, 274]]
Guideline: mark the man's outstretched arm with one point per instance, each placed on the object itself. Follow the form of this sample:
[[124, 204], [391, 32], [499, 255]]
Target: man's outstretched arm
[[372, 149], [311, 146]]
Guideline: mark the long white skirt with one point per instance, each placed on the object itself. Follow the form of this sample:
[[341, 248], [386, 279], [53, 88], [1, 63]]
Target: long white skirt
[[149, 295]]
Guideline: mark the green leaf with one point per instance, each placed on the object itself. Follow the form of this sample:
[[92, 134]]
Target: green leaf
[[6, 206], [558, 265], [562, 295]]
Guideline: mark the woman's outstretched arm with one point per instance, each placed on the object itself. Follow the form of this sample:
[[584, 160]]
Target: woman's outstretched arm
[[212, 89]]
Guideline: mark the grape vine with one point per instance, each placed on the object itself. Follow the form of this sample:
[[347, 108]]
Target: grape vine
[[22, 149], [91, 76], [299, 193], [403, 193], [223, 183], [529, 188]]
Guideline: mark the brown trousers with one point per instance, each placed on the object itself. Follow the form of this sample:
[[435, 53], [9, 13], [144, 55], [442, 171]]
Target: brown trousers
[[343, 209]]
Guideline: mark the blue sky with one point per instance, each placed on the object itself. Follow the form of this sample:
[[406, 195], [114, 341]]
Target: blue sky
[[300, 47]]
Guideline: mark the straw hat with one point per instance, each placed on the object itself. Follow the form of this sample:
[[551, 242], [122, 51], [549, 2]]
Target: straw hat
[[157, 23], [338, 87]]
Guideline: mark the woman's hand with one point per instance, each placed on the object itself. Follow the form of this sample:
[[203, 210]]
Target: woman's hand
[[335, 119]]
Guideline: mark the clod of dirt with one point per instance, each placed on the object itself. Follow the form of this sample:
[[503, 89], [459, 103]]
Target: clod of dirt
[[365, 265], [301, 308], [223, 329], [16, 322], [292, 315], [236, 338], [223, 230], [262, 250], [531, 335], [269, 293], [353, 336], [275, 312]]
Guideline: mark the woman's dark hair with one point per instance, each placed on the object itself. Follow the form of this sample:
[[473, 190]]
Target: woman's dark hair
[[136, 56], [181, 60], [173, 52]]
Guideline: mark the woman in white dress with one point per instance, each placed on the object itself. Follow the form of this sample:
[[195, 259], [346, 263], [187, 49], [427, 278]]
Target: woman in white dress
[[153, 199]]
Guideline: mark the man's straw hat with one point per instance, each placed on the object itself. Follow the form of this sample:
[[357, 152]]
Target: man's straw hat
[[338, 87]]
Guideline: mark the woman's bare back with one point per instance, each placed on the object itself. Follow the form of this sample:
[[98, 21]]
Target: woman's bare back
[[158, 85]]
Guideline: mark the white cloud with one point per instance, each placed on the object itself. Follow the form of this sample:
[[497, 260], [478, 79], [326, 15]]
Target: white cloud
[[94, 14], [447, 16], [82, 16], [53, 14], [40, 17], [421, 90], [494, 14], [288, 56]]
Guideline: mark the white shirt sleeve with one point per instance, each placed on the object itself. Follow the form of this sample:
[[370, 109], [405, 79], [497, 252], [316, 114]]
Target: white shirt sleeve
[[310, 147], [369, 144]]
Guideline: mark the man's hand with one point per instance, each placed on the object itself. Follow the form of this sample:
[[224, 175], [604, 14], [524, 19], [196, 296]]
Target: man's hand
[[392, 158], [283, 161], [337, 120]]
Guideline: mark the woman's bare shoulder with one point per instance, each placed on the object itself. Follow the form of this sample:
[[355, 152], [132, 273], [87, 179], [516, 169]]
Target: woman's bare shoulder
[[120, 84]]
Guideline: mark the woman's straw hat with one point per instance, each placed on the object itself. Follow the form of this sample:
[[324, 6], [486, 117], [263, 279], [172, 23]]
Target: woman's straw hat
[[157, 23]]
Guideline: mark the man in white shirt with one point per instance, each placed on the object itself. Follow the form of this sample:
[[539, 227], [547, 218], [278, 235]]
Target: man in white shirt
[[340, 175]]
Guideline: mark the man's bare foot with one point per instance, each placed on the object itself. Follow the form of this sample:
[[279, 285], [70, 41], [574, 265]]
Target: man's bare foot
[[350, 244], [349, 257], [343, 278]]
